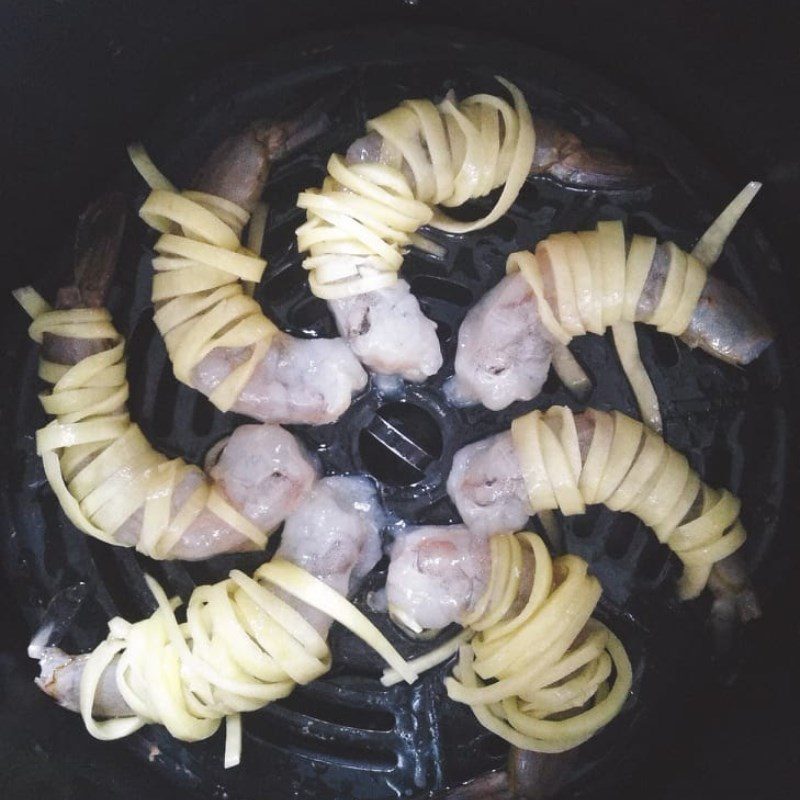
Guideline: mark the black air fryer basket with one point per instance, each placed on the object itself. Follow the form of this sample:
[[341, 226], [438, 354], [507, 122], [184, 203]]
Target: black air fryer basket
[[706, 718]]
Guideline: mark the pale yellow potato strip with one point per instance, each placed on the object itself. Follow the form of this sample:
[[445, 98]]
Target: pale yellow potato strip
[[241, 647], [512, 671], [97, 461], [597, 284], [630, 468]]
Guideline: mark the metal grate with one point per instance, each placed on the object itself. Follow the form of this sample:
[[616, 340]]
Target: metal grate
[[345, 735]]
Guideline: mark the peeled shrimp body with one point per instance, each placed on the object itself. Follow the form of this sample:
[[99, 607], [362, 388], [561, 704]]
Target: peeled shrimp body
[[586, 282], [436, 575], [418, 156], [388, 332], [246, 641], [216, 335], [568, 460], [504, 350], [299, 381], [487, 486], [335, 536]]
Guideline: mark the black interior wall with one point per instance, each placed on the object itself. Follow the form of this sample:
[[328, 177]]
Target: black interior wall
[[81, 76], [79, 79]]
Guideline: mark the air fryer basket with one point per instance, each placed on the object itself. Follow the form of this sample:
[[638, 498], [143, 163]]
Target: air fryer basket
[[345, 735]]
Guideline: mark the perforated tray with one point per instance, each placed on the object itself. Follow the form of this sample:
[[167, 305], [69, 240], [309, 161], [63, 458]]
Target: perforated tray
[[345, 735]]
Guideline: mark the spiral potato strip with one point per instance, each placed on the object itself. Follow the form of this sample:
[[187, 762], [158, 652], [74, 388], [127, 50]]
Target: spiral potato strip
[[201, 273], [629, 468], [597, 284], [365, 214], [537, 652], [99, 463], [241, 647], [587, 282]]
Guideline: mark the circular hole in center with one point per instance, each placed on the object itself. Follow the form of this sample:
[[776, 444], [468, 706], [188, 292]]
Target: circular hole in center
[[399, 443]]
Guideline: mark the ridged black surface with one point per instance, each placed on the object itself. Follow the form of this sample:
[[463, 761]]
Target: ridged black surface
[[346, 736]]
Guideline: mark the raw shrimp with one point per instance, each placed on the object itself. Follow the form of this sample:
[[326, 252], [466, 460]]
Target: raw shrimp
[[217, 336], [504, 350], [413, 158], [388, 332], [246, 641], [567, 461], [587, 282], [487, 486], [111, 483], [536, 670], [298, 381], [334, 535], [436, 575]]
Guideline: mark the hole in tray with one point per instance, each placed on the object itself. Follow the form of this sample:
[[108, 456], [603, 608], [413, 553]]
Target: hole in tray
[[400, 443], [370, 719]]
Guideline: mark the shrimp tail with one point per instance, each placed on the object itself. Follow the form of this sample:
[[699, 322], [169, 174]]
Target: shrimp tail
[[60, 678], [528, 776], [98, 240], [735, 601], [538, 775], [562, 155], [59, 673], [294, 134], [58, 617], [238, 168], [726, 325]]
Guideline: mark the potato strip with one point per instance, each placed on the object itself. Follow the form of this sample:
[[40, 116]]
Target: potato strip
[[586, 282], [708, 248], [539, 671], [429, 660], [589, 281], [629, 468], [99, 464], [241, 647], [365, 215], [204, 279]]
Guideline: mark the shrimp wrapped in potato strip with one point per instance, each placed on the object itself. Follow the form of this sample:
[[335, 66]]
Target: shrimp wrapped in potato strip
[[371, 204], [245, 642], [533, 664], [113, 485], [587, 282], [537, 653], [110, 481], [218, 338], [367, 212], [555, 459]]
